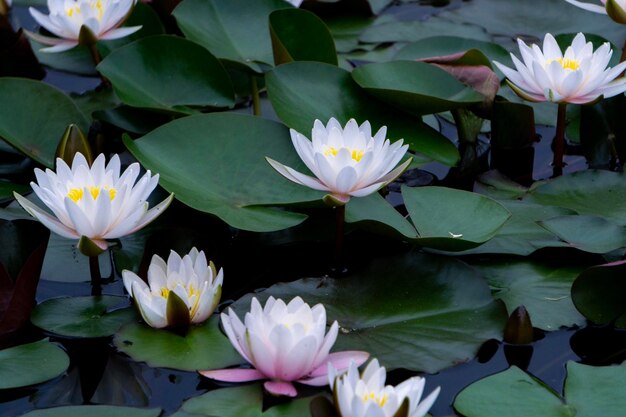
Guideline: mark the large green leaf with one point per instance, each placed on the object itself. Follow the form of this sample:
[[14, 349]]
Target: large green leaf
[[95, 411], [299, 35], [453, 220], [302, 92], [216, 163], [589, 392], [203, 347], [168, 73], [34, 116], [30, 364], [415, 87], [83, 316], [599, 193], [589, 233], [599, 293], [234, 30], [245, 401], [413, 31], [411, 311], [376, 213], [543, 289]]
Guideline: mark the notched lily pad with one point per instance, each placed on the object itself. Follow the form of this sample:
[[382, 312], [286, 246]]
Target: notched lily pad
[[30, 364], [95, 411], [98, 316], [589, 233], [203, 347], [435, 311]]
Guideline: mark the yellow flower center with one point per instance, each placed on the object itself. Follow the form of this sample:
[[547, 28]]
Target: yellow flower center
[[376, 397], [165, 292], [97, 5], [356, 154], [566, 63], [76, 194]]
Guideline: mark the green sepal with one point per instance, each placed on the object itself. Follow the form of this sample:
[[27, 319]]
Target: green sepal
[[403, 411], [615, 11], [334, 201], [88, 247], [177, 312], [521, 92], [72, 142], [519, 327], [86, 37]]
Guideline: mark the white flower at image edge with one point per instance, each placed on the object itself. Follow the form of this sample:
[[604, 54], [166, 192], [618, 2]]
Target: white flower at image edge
[[347, 162], [96, 202], [67, 17], [616, 9], [295, 3], [285, 343], [367, 395], [578, 76], [191, 278]]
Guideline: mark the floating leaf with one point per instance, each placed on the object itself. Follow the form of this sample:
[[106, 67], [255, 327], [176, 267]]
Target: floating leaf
[[98, 316], [30, 364], [599, 293], [302, 92], [299, 35], [203, 347], [415, 87], [589, 233], [453, 220], [426, 320], [34, 116], [95, 411], [375, 211], [194, 158], [589, 392], [543, 289], [168, 73], [412, 31], [234, 30]]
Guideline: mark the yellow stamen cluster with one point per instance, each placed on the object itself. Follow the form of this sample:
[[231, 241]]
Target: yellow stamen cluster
[[70, 10], [97, 5], [374, 396], [356, 154], [567, 63], [76, 194]]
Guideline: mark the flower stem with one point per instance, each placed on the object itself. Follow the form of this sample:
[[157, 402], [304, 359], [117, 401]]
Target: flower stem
[[559, 141], [96, 278], [95, 56], [256, 98], [340, 221]]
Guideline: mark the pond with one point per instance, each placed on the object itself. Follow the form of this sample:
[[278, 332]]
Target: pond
[[490, 261]]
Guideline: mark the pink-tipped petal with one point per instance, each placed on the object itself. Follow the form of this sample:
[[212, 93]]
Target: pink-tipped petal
[[233, 375], [280, 388]]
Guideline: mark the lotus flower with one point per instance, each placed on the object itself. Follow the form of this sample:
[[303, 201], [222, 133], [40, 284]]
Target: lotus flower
[[368, 396], [616, 9], [579, 76], [348, 162], [285, 343], [95, 202], [191, 279], [68, 17]]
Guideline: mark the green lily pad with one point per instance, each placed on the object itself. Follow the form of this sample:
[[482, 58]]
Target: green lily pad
[[299, 35], [7, 188], [453, 220], [598, 193], [83, 316], [203, 347], [198, 167], [413, 31], [346, 30], [589, 233], [425, 321], [589, 392], [543, 289], [415, 87], [30, 364], [376, 213], [245, 401], [234, 30], [599, 292], [34, 116], [168, 73], [301, 92], [521, 234], [95, 411]]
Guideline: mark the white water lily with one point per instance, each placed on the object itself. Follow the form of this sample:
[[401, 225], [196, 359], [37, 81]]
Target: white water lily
[[285, 343], [347, 162], [616, 9], [366, 395], [580, 75], [295, 3], [67, 17], [191, 278], [96, 202]]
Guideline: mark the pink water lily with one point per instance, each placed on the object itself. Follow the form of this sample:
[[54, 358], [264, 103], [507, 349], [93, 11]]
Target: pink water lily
[[285, 343]]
